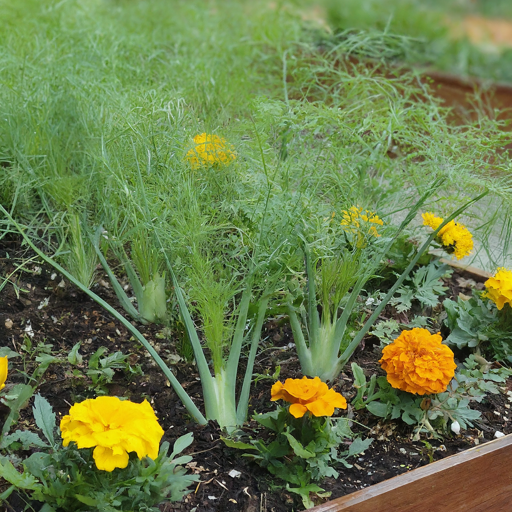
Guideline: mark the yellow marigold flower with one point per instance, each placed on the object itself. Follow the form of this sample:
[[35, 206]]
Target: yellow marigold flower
[[114, 427], [455, 237], [3, 371], [306, 394], [418, 362], [210, 150], [361, 223], [499, 288]]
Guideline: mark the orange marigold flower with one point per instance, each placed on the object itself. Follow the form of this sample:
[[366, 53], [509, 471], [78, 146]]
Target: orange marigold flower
[[306, 394], [455, 237], [418, 362], [499, 288], [210, 150]]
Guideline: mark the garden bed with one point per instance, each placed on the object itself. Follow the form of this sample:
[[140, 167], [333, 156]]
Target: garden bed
[[230, 197], [476, 480], [41, 307]]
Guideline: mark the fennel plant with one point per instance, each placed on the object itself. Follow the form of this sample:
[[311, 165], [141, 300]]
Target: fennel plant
[[322, 345], [225, 336]]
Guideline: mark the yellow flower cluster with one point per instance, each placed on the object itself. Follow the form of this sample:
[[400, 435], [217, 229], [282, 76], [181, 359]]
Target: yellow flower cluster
[[499, 288], [361, 223], [455, 237], [210, 150], [3, 371], [306, 394], [418, 362], [114, 427]]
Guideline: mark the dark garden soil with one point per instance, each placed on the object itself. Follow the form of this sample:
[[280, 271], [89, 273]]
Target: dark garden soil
[[39, 304]]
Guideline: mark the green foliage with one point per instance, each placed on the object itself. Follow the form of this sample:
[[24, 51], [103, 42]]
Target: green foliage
[[399, 255], [303, 450], [432, 413], [16, 399], [102, 369], [424, 286], [321, 337], [44, 418], [79, 256], [424, 33], [67, 479], [388, 330], [477, 323], [468, 320], [150, 293], [39, 357]]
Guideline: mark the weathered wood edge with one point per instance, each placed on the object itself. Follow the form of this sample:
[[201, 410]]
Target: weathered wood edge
[[474, 271], [371, 494]]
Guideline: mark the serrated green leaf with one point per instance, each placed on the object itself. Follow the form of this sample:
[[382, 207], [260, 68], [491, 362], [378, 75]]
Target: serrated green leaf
[[16, 399], [239, 445], [268, 420], [44, 417], [298, 449], [359, 445], [20, 480], [94, 359], [305, 491], [36, 463], [359, 376], [25, 437]]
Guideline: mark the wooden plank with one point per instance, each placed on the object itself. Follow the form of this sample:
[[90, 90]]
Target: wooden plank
[[478, 274], [477, 480]]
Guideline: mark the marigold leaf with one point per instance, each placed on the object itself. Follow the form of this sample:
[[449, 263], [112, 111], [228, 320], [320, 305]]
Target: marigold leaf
[[359, 445], [20, 480], [181, 443], [44, 417], [239, 445], [378, 409], [25, 437], [299, 450], [86, 499]]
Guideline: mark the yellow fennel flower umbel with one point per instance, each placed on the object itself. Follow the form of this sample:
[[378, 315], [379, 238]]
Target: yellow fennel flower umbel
[[114, 428], [418, 362], [455, 237], [361, 223], [210, 150], [306, 394], [499, 288], [3, 371]]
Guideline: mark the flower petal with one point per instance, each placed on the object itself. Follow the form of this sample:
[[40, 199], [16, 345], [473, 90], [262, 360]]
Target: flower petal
[[297, 410], [106, 460]]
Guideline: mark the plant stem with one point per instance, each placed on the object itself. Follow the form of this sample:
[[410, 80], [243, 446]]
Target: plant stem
[[182, 394]]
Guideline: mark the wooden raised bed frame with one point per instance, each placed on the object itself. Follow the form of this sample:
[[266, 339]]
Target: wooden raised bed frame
[[476, 480]]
